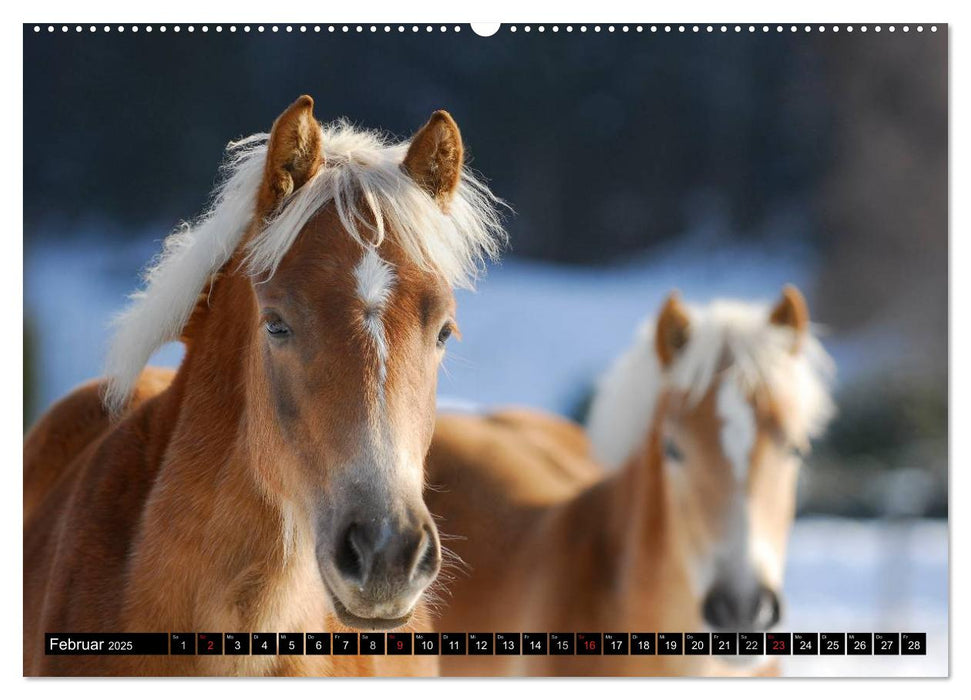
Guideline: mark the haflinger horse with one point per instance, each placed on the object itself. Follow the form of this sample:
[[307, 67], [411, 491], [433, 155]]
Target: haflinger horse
[[672, 517], [274, 483]]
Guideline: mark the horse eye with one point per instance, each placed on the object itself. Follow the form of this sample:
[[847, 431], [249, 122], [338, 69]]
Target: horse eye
[[444, 334], [672, 452], [277, 328]]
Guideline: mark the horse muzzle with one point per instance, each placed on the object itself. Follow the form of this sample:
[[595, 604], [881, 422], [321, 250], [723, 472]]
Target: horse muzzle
[[751, 609], [378, 569]]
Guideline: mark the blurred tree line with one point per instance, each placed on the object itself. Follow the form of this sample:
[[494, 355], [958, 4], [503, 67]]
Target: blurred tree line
[[605, 144]]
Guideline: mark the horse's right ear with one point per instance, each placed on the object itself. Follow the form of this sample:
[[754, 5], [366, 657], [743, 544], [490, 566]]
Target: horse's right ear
[[791, 312], [435, 157], [294, 154], [672, 329]]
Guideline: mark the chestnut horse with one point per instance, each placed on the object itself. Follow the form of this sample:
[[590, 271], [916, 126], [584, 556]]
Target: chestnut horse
[[274, 483], [700, 428]]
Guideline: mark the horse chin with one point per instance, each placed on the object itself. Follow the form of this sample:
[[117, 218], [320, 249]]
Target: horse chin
[[368, 623]]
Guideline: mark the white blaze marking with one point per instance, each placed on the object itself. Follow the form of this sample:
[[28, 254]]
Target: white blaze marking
[[375, 279], [738, 427]]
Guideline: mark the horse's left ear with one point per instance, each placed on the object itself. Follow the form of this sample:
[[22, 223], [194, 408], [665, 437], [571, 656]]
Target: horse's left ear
[[793, 312], [673, 329], [435, 157], [294, 154]]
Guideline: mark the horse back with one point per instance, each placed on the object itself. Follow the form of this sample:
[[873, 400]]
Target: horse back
[[562, 441], [517, 456]]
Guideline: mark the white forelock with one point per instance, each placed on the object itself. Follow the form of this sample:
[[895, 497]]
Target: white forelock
[[371, 193], [758, 356]]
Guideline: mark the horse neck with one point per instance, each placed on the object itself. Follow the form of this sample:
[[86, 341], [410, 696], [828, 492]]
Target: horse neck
[[642, 523], [217, 347], [212, 455]]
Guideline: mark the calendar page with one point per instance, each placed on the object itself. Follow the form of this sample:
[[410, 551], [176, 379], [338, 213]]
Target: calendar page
[[440, 349]]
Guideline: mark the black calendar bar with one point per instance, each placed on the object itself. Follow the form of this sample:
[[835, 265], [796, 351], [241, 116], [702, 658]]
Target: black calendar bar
[[86, 644], [489, 643]]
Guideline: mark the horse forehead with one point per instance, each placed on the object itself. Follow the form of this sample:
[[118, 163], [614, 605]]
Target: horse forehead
[[698, 415], [322, 255], [739, 425], [725, 423], [327, 264]]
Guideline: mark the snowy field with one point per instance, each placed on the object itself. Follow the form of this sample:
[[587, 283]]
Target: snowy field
[[868, 576]]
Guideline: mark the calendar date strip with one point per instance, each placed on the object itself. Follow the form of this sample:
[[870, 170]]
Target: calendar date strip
[[489, 643]]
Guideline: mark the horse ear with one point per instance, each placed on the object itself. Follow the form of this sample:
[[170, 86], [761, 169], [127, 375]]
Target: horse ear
[[792, 312], [672, 329], [435, 157], [294, 154]]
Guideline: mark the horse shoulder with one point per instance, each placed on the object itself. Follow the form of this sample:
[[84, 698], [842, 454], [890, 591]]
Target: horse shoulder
[[58, 437], [71, 425]]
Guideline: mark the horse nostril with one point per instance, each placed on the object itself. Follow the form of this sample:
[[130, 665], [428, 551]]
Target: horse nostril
[[428, 556], [353, 558], [753, 609], [718, 609], [768, 609]]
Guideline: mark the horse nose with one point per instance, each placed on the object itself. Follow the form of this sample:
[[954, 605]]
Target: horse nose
[[375, 552], [768, 608], [726, 608]]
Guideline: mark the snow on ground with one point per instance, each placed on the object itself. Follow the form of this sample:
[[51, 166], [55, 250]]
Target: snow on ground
[[868, 576]]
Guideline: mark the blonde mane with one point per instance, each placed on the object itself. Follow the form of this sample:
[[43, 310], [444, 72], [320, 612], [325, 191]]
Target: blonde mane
[[759, 356], [362, 178]]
